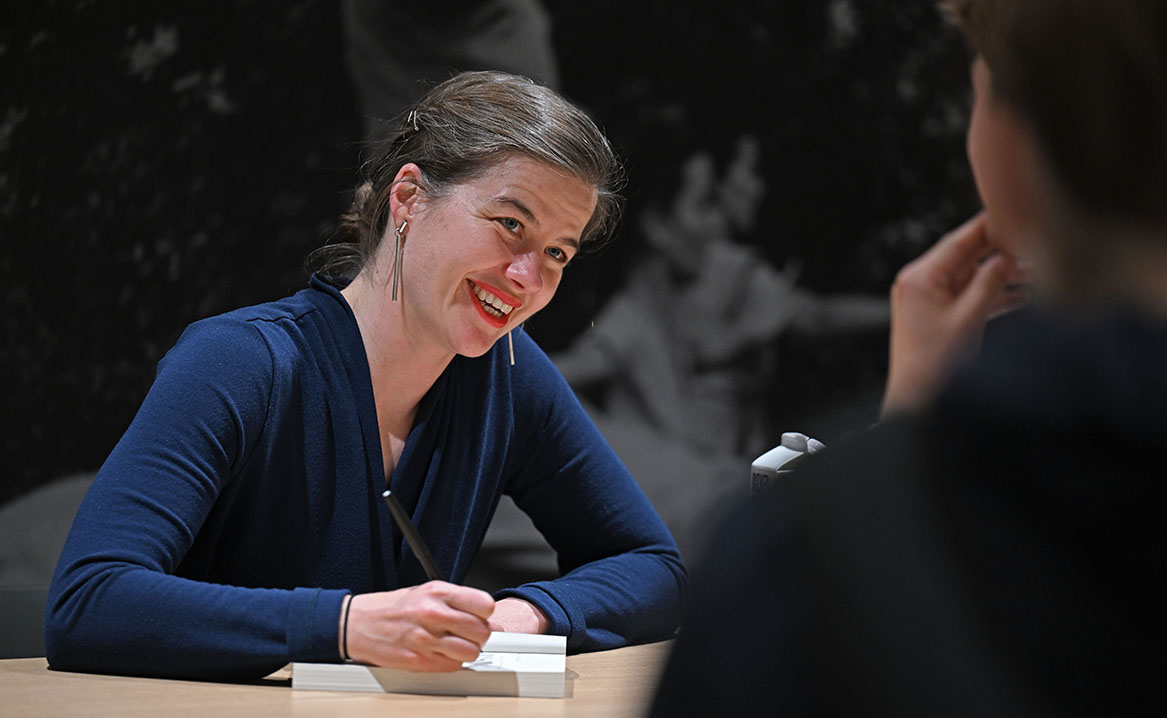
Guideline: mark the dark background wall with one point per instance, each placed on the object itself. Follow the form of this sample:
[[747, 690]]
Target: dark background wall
[[163, 162]]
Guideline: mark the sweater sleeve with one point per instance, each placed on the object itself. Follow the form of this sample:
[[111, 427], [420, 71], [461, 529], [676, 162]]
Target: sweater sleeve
[[115, 604], [623, 580]]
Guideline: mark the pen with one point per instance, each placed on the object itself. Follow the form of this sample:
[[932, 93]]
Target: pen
[[424, 557]]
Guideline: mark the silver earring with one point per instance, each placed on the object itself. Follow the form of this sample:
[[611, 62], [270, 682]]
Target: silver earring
[[511, 345], [399, 234]]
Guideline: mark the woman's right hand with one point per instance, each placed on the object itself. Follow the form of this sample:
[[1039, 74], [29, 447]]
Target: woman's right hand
[[432, 627]]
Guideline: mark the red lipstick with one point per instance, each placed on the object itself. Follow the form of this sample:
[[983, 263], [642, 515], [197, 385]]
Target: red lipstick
[[491, 319]]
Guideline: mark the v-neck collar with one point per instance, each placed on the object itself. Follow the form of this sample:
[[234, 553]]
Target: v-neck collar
[[417, 461]]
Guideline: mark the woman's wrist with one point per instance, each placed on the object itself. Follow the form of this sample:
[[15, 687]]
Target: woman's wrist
[[517, 615], [342, 627]]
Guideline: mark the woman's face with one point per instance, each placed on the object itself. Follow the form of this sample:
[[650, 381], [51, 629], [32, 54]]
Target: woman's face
[[1006, 168], [483, 258]]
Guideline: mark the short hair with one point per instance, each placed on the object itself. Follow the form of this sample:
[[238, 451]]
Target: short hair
[[460, 129], [1088, 77]]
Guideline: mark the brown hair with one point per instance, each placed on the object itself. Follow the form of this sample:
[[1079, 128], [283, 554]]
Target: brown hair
[[457, 131], [1088, 77]]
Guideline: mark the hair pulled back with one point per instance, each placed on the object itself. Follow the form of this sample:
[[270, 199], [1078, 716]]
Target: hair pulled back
[[457, 131]]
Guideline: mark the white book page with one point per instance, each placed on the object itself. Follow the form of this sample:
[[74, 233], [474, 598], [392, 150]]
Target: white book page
[[518, 662], [504, 642]]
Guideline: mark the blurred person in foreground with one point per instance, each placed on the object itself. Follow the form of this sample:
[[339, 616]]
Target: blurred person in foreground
[[995, 545]]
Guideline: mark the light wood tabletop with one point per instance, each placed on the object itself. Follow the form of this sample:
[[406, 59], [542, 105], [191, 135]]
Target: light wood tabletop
[[608, 683]]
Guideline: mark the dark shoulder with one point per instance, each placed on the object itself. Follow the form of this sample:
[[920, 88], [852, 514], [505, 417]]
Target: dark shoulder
[[533, 382], [532, 367], [271, 332], [242, 348]]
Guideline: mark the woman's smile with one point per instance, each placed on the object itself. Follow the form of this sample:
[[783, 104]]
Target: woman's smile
[[490, 305]]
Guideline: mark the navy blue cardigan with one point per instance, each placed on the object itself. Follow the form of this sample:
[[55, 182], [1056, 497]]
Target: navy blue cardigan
[[244, 502]]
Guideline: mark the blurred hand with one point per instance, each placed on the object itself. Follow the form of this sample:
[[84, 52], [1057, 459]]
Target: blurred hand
[[518, 616], [939, 305], [432, 627]]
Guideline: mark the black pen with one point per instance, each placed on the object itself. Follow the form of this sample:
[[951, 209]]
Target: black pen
[[424, 557]]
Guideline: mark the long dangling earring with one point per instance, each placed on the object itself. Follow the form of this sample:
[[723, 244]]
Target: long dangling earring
[[399, 234], [511, 345]]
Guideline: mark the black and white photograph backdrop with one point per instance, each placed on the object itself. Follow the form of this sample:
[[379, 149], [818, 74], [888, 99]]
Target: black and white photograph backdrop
[[164, 162]]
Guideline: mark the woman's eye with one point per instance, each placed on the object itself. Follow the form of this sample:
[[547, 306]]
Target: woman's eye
[[511, 224], [557, 254]]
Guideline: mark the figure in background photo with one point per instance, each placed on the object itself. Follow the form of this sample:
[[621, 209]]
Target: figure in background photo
[[395, 50], [678, 361]]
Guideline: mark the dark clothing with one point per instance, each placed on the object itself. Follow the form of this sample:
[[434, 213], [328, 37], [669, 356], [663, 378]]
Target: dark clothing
[[1003, 554], [244, 502]]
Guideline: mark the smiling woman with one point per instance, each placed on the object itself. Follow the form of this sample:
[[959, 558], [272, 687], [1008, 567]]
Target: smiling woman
[[280, 425]]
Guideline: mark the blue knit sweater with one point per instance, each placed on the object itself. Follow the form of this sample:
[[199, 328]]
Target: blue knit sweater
[[244, 502]]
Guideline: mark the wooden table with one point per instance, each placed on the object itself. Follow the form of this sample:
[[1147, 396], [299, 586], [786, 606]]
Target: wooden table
[[609, 683]]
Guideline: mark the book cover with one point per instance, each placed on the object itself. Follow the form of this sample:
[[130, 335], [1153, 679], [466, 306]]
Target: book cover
[[510, 664]]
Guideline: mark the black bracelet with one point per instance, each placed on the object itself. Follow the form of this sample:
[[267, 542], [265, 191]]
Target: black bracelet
[[344, 630]]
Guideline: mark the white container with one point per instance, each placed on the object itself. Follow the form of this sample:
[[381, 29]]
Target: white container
[[778, 461]]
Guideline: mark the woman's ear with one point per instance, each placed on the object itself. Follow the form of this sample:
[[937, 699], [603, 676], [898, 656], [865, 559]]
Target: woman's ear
[[405, 194]]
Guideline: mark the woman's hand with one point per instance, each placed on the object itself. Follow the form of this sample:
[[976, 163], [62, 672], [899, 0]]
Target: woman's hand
[[432, 627], [939, 306], [518, 616]]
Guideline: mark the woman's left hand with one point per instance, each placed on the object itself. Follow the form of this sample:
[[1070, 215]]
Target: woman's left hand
[[517, 616]]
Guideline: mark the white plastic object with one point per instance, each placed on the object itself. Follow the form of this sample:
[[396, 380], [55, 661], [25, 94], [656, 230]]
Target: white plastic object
[[776, 462]]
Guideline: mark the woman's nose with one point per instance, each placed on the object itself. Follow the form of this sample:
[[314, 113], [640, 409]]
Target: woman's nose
[[524, 271]]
